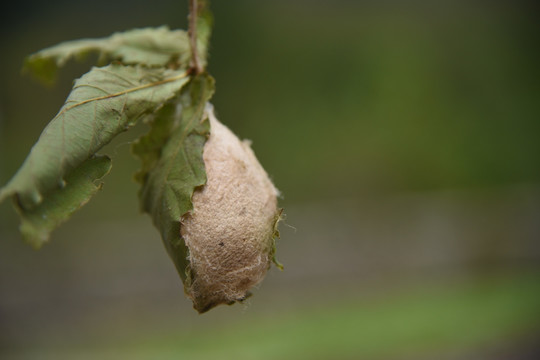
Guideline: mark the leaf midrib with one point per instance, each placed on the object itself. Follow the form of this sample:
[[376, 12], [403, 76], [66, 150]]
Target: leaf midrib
[[127, 91]]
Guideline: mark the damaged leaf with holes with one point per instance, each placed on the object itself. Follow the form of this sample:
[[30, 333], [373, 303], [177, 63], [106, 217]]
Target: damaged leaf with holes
[[103, 103]]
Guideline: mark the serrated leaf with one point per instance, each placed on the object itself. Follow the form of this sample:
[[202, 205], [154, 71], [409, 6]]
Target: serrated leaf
[[148, 46], [173, 166], [103, 103], [38, 222]]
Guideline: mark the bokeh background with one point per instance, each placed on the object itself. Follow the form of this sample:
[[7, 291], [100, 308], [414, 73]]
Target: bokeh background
[[405, 138]]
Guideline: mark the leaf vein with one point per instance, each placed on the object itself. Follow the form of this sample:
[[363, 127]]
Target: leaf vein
[[127, 91]]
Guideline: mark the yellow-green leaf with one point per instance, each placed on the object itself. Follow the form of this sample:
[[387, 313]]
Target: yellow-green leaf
[[81, 184], [103, 103], [172, 164], [148, 46]]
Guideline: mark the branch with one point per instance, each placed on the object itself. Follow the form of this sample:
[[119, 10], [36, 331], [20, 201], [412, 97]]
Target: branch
[[192, 32]]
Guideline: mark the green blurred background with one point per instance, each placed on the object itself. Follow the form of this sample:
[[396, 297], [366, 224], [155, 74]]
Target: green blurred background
[[405, 138]]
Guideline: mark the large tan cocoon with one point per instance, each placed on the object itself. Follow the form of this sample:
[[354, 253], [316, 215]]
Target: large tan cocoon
[[230, 231]]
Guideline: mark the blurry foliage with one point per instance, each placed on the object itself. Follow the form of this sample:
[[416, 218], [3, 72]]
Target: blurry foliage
[[463, 320], [391, 98]]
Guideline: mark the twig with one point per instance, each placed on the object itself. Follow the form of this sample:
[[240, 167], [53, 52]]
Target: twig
[[192, 32]]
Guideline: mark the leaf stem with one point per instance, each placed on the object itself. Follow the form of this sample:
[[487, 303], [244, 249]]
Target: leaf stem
[[192, 32]]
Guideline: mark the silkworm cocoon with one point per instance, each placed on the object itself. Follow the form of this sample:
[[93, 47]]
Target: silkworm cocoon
[[230, 231]]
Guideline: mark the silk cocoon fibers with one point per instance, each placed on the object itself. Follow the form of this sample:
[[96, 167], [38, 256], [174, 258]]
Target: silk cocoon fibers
[[230, 231]]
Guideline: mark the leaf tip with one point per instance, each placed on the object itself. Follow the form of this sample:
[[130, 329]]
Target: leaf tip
[[41, 68], [35, 240], [3, 194]]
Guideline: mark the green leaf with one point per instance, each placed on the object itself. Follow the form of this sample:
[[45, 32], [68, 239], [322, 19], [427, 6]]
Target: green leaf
[[172, 164], [103, 103], [148, 147], [38, 222], [149, 46]]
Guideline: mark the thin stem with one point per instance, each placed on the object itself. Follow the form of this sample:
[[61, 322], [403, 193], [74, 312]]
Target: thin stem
[[192, 32]]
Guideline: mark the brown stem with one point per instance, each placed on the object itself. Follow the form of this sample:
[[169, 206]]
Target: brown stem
[[192, 32]]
